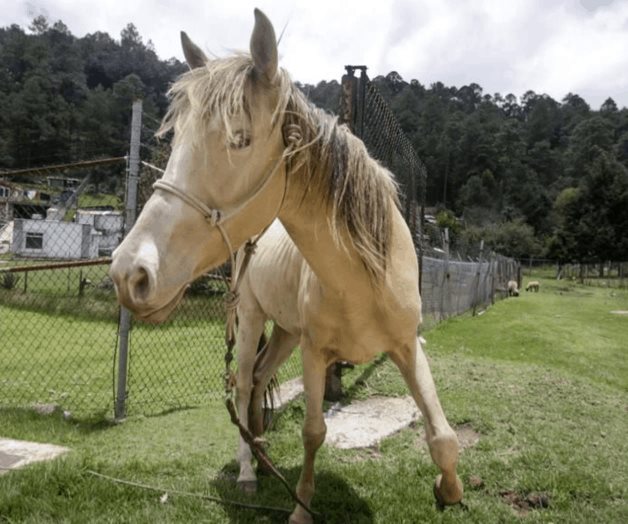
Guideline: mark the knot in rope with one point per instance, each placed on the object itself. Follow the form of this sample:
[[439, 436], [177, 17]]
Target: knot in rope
[[293, 135], [231, 299], [214, 217]]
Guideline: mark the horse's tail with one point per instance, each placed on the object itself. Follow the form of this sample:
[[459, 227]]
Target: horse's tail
[[272, 389]]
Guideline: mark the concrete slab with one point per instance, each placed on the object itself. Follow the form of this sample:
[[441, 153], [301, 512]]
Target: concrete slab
[[288, 391], [360, 424], [364, 423], [15, 454]]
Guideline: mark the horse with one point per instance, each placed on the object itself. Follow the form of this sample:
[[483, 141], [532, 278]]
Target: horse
[[513, 288], [249, 148], [533, 285]]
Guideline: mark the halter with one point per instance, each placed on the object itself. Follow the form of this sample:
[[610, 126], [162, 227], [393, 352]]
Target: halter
[[216, 217]]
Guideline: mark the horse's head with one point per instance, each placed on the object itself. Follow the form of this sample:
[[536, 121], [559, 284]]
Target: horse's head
[[225, 171]]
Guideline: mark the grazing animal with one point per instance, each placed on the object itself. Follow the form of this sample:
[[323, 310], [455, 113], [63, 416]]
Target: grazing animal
[[513, 288], [248, 148], [533, 285]]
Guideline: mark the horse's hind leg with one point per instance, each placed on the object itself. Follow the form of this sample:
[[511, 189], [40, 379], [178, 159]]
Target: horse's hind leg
[[441, 439], [251, 327]]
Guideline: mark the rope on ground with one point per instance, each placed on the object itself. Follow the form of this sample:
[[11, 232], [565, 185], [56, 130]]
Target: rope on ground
[[226, 502]]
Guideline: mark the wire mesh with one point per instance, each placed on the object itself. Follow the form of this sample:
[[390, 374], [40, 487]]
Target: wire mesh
[[370, 117]]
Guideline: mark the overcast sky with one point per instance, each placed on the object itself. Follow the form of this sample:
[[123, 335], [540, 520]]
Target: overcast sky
[[506, 46]]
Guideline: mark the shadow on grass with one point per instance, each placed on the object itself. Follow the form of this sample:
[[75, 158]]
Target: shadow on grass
[[27, 417], [364, 376], [148, 414], [335, 500]]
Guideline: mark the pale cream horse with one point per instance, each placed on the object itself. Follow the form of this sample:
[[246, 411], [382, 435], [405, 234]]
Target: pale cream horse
[[249, 148]]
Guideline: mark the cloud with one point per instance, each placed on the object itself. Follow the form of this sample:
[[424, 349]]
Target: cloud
[[549, 47]]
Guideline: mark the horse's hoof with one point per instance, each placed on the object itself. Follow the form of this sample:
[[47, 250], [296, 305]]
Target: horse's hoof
[[447, 495], [247, 486]]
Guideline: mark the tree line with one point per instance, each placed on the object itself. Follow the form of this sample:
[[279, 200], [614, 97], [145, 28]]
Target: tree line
[[532, 176], [64, 98]]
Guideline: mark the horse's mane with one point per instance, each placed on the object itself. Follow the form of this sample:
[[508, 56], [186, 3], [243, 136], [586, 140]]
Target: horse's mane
[[359, 192]]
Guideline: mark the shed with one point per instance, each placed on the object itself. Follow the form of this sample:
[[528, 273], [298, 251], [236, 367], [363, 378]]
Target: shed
[[54, 239], [108, 223]]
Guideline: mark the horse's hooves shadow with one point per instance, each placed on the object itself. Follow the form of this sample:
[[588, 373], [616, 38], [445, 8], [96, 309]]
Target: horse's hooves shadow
[[335, 500]]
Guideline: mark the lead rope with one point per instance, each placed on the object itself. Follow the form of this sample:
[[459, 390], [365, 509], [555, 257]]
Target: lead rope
[[232, 299]]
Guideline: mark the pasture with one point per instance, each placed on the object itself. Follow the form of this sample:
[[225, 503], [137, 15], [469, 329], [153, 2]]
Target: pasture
[[537, 387]]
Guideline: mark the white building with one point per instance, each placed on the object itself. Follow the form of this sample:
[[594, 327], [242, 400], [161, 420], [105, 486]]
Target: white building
[[53, 239], [108, 223], [6, 236]]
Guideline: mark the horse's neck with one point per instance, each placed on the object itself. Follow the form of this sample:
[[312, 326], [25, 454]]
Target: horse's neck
[[345, 281], [308, 225]]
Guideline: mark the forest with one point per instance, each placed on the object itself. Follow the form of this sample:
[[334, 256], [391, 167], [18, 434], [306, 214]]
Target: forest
[[532, 176]]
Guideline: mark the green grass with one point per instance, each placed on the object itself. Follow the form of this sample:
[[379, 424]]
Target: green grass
[[59, 348], [541, 379], [565, 326], [100, 199]]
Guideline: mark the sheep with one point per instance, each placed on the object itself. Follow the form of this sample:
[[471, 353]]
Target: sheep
[[513, 289], [533, 285]]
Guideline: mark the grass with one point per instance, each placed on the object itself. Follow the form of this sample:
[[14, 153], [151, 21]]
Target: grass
[[59, 348], [541, 379]]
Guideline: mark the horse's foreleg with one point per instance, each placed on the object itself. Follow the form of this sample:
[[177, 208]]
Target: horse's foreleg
[[314, 428], [267, 363], [441, 439], [251, 327]]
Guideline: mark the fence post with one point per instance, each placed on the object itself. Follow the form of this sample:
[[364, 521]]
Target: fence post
[[124, 326], [493, 269], [478, 274], [445, 288]]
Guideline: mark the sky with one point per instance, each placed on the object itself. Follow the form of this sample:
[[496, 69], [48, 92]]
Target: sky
[[506, 46]]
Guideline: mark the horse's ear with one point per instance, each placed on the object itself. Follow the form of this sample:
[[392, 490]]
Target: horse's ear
[[194, 56], [264, 47]]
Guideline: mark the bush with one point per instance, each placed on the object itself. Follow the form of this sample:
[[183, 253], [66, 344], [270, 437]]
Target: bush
[[9, 280]]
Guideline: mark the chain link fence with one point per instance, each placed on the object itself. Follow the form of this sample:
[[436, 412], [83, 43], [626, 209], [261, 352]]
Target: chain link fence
[[59, 331], [600, 274], [452, 287], [366, 112]]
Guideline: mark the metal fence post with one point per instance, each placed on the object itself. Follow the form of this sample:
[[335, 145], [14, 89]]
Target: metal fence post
[[129, 219], [479, 274], [445, 284]]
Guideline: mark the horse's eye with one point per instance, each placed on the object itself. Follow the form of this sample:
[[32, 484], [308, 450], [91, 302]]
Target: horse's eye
[[241, 139]]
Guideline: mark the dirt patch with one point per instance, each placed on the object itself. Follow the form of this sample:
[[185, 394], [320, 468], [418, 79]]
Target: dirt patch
[[620, 312], [522, 504], [364, 423], [467, 436]]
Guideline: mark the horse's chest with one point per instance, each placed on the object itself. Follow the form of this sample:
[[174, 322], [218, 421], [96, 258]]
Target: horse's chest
[[356, 340]]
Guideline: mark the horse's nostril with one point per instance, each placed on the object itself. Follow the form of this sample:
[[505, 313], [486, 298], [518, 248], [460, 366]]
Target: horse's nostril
[[140, 285]]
